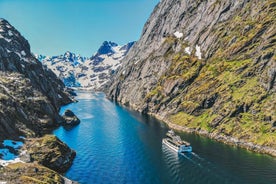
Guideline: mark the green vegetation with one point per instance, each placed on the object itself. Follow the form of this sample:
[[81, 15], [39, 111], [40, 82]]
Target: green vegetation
[[30, 173], [155, 92], [191, 121], [227, 93]]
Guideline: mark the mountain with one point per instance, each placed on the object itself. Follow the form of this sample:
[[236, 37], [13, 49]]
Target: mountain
[[93, 72], [207, 67], [30, 99], [30, 95], [64, 66]]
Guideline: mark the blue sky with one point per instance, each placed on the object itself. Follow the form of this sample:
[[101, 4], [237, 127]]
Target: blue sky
[[80, 26]]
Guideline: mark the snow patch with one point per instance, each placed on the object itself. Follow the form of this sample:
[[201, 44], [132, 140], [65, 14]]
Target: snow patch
[[10, 33], [22, 137], [188, 51], [23, 53], [8, 40], [21, 56], [6, 156], [177, 34], [198, 52], [7, 162]]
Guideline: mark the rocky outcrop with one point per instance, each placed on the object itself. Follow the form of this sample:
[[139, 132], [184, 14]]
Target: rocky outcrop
[[30, 99], [70, 119], [206, 65], [31, 173], [30, 96], [50, 152]]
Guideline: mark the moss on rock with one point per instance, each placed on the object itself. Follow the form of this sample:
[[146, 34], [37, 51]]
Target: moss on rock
[[49, 151], [32, 173]]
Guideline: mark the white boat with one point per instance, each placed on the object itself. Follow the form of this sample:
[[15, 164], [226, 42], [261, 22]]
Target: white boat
[[175, 143]]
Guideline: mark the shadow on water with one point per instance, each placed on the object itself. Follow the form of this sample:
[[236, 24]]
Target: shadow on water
[[117, 145]]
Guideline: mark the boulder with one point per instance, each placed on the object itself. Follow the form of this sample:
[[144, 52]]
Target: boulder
[[70, 118], [50, 152]]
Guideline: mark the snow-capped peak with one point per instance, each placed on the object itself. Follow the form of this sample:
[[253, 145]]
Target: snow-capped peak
[[39, 57], [68, 54], [94, 72], [106, 48]]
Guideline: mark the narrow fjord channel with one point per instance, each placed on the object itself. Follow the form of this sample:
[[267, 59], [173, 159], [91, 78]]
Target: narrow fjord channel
[[115, 145]]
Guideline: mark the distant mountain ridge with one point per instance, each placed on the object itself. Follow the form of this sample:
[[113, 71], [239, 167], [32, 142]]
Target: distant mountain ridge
[[91, 73]]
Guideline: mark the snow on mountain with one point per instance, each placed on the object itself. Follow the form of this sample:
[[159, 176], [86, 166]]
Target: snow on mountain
[[90, 73]]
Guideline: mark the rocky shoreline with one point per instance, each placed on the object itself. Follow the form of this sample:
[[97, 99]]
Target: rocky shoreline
[[214, 136], [220, 138], [31, 173], [36, 160], [30, 99]]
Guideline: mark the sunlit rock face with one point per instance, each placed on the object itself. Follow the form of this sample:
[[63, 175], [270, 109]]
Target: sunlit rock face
[[206, 65], [30, 96]]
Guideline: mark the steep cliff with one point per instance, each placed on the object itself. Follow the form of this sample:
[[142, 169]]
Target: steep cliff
[[206, 66], [30, 96]]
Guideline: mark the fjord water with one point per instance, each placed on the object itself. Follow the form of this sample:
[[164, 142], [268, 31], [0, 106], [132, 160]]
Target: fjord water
[[116, 145]]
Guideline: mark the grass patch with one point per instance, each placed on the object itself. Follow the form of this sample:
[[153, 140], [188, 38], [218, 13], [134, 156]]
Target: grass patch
[[250, 92], [29, 179], [202, 121]]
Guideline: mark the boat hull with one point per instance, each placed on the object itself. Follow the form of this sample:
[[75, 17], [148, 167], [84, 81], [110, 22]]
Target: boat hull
[[172, 147], [175, 148]]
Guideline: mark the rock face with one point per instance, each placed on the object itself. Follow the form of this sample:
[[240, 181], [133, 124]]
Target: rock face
[[70, 119], [50, 152], [30, 96], [31, 173], [206, 65], [94, 72]]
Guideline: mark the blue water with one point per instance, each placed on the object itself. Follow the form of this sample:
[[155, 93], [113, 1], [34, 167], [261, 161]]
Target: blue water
[[116, 145]]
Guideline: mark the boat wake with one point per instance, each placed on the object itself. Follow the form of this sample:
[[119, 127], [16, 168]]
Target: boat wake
[[194, 160]]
